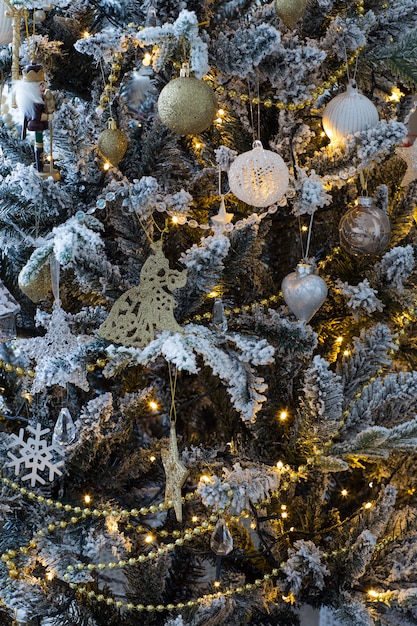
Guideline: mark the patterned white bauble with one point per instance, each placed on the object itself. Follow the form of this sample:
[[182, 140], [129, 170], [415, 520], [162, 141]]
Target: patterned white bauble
[[258, 177], [6, 25], [348, 113], [304, 291]]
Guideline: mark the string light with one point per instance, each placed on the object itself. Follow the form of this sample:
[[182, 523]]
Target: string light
[[344, 492], [283, 415], [153, 405], [367, 505], [147, 59], [87, 499]]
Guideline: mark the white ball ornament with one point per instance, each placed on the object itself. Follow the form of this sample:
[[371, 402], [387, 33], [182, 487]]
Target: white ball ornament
[[258, 177], [304, 291], [6, 25], [348, 113]]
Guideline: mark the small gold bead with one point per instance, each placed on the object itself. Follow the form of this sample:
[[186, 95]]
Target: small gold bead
[[101, 362], [20, 371], [9, 367], [31, 373]]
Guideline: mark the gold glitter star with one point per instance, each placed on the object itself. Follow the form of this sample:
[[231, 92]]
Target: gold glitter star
[[410, 157], [175, 472]]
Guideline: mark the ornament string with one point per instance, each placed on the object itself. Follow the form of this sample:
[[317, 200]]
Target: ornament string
[[310, 228], [173, 387]]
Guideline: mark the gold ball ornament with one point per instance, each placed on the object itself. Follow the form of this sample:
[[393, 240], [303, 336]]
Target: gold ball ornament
[[186, 104], [290, 11], [112, 143]]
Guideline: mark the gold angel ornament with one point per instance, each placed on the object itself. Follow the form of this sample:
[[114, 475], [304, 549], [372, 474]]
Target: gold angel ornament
[[140, 311]]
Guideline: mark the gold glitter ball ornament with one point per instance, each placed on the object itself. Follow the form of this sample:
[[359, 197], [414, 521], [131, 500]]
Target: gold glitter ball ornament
[[186, 104], [112, 143], [290, 11]]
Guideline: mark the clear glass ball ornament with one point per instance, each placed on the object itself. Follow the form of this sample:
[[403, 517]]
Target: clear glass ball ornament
[[365, 230], [258, 177]]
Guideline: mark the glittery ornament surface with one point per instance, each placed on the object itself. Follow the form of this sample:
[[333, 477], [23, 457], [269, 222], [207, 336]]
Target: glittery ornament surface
[[365, 230], [410, 157], [40, 284], [304, 291], [148, 307], [187, 105], [176, 473], [290, 11], [112, 144]]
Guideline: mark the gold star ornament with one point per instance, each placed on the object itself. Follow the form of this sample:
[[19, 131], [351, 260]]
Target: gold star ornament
[[175, 472], [410, 157]]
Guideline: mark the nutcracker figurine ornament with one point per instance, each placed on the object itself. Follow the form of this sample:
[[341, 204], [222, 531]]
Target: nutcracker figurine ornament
[[37, 104]]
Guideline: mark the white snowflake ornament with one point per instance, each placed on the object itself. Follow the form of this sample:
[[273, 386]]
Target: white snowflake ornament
[[35, 454]]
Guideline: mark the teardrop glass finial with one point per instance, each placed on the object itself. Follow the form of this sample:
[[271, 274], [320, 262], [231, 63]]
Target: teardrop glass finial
[[221, 541], [218, 320], [64, 430]]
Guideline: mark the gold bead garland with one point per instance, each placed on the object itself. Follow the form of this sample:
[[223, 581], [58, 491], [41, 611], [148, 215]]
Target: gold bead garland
[[292, 106], [112, 79], [150, 608]]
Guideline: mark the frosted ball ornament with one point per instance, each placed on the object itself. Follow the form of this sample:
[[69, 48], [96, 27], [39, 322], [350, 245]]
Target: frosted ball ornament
[[348, 113], [6, 25], [112, 143], [304, 291], [365, 229], [186, 104], [258, 177]]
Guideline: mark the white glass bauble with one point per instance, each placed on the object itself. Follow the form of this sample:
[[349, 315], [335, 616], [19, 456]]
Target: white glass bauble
[[348, 113], [304, 291], [258, 177], [6, 25]]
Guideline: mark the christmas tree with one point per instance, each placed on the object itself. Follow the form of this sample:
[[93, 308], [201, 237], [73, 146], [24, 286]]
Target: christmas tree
[[208, 361]]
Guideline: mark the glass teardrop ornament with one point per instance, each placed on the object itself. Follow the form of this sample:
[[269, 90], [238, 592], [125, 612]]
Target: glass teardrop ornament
[[221, 541], [64, 430], [218, 320]]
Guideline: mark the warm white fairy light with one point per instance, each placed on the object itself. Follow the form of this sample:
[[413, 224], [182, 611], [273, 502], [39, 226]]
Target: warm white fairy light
[[147, 59], [346, 352], [344, 492], [367, 505], [87, 498], [152, 458], [283, 415], [149, 538], [153, 405], [280, 465], [106, 166], [339, 339]]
